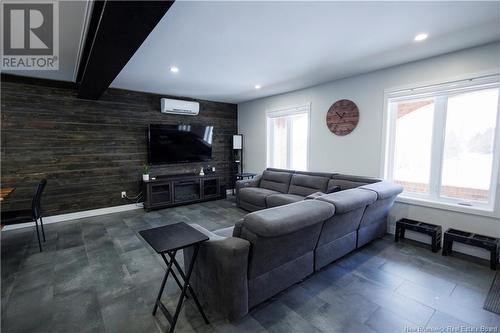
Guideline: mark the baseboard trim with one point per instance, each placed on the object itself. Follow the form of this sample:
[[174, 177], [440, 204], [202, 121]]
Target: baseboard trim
[[77, 215]]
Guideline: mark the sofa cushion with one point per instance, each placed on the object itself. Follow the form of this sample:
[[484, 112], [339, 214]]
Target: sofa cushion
[[384, 189], [334, 189], [305, 184], [318, 174], [277, 221], [280, 170], [345, 201], [281, 199], [255, 195], [348, 181], [275, 180]]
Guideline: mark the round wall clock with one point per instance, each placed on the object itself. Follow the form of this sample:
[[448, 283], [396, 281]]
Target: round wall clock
[[342, 117]]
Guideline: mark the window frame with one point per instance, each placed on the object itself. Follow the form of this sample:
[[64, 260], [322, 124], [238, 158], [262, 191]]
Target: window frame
[[281, 112], [441, 91]]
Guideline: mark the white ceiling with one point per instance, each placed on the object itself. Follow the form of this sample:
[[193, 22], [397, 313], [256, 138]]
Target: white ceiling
[[223, 49]]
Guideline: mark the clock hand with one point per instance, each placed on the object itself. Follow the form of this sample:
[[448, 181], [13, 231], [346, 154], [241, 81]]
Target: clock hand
[[338, 114]]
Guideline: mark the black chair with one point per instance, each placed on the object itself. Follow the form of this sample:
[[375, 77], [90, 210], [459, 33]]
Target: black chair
[[28, 215]]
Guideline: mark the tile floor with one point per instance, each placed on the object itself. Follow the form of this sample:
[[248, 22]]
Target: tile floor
[[97, 275]]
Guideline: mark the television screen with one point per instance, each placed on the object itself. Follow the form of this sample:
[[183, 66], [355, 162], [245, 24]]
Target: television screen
[[179, 143]]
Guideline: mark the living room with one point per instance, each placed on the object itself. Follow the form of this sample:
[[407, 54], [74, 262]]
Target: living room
[[250, 166]]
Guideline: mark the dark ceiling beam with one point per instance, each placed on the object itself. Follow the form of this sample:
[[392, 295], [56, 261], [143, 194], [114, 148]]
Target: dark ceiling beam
[[116, 30], [95, 17]]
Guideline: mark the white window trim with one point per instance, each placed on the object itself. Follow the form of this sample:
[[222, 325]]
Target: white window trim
[[460, 83], [287, 111]]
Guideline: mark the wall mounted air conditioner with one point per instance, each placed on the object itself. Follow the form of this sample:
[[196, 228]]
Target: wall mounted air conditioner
[[175, 106]]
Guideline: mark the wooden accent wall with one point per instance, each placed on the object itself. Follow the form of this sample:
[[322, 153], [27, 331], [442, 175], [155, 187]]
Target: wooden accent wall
[[90, 151]]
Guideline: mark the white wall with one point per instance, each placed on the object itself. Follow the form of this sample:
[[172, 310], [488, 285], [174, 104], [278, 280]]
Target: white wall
[[360, 152]]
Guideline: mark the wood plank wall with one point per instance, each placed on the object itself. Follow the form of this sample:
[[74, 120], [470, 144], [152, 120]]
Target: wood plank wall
[[90, 151]]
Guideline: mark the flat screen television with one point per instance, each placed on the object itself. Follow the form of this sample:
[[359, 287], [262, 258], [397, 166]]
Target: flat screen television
[[179, 143]]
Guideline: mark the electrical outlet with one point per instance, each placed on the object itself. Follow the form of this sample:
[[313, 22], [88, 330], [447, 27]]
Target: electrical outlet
[[124, 194]]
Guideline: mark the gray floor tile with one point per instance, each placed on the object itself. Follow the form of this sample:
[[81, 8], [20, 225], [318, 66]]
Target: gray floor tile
[[77, 312], [127, 313], [417, 276], [276, 317], [29, 310], [453, 306], [385, 321], [472, 296], [403, 306], [441, 320], [246, 325]]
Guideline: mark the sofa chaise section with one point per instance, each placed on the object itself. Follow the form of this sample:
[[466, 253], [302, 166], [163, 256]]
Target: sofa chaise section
[[282, 246], [339, 234], [269, 251], [374, 222]]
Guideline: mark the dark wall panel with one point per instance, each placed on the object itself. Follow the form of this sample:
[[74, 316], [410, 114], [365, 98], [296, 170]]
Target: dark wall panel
[[90, 151]]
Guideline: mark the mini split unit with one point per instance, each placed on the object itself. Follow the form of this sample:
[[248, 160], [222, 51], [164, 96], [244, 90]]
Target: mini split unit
[[174, 106]]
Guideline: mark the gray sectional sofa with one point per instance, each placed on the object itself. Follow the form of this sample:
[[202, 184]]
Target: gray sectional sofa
[[277, 187], [295, 229]]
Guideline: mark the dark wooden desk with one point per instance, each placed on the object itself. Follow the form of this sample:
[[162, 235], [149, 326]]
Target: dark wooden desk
[[167, 240], [5, 192]]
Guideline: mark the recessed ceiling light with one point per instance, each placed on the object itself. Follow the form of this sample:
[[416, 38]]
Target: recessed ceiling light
[[174, 69], [420, 37], [257, 86]]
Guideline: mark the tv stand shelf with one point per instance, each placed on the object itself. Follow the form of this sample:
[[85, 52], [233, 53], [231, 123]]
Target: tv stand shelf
[[175, 190]]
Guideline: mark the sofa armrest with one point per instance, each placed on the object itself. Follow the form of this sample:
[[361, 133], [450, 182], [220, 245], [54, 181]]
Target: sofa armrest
[[348, 200], [220, 274], [384, 189], [255, 182], [282, 220]]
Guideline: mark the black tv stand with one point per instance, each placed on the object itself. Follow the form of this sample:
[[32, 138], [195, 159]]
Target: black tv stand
[[175, 190], [175, 175]]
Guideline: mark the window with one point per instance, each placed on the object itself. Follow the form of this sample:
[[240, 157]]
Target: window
[[287, 138], [441, 142]]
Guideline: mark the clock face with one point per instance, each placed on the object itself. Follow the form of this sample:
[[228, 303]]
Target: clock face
[[342, 117]]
